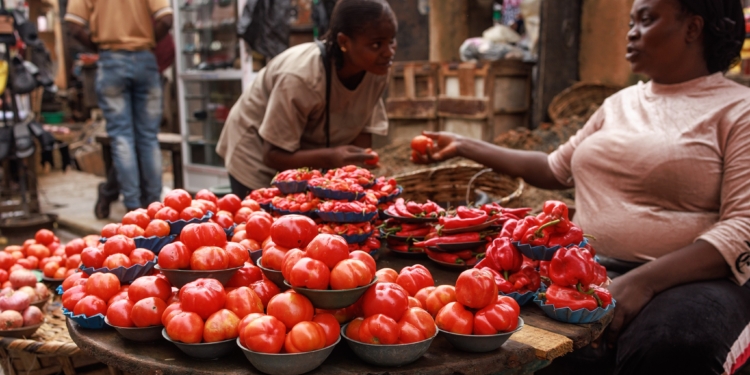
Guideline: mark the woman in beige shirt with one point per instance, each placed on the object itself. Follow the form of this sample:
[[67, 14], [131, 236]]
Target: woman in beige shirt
[[282, 121], [662, 178]]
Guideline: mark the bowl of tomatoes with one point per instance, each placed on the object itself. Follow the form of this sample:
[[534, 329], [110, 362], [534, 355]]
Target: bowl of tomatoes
[[275, 276], [294, 180], [479, 343], [178, 278], [330, 299], [204, 350], [139, 334], [387, 355], [287, 363]]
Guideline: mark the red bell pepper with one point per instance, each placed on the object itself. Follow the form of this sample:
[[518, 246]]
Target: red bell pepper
[[414, 208], [503, 285], [562, 296], [523, 226], [504, 257], [454, 238], [569, 267], [525, 280], [556, 210], [539, 235], [508, 227], [602, 296], [573, 236], [456, 222], [544, 272], [600, 273]]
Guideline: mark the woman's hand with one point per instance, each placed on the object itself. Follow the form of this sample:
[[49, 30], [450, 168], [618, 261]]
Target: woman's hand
[[445, 146], [347, 155], [631, 293]]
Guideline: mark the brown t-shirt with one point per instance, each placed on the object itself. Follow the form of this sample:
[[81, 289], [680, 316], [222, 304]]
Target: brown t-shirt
[[661, 166], [285, 105], [119, 24]]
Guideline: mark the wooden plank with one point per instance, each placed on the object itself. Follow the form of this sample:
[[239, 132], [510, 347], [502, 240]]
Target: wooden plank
[[449, 28], [409, 83], [469, 108], [466, 81], [418, 108], [413, 30], [581, 334], [548, 345]]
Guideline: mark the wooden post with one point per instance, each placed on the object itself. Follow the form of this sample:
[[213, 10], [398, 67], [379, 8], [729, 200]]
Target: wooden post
[[449, 27]]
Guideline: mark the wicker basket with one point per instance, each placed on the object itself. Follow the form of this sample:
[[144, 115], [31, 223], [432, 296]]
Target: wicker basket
[[577, 100], [454, 184]]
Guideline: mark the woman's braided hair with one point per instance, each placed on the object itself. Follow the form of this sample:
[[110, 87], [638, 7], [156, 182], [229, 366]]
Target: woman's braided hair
[[723, 31]]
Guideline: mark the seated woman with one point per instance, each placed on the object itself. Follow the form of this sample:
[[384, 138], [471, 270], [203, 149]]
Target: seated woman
[[662, 178]]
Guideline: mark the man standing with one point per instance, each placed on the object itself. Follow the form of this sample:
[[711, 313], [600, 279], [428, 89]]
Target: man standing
[[127, 85]]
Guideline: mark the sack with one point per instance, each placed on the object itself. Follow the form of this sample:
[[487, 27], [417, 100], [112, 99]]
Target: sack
[[21, 80]]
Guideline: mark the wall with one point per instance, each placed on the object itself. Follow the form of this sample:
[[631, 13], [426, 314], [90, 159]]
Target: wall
[[413, 29], [604, 28]]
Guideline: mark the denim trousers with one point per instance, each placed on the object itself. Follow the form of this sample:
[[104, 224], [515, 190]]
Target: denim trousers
[[130, 95]]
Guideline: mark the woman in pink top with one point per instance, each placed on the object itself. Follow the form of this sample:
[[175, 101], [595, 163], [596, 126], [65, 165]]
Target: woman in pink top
[[662, 178]]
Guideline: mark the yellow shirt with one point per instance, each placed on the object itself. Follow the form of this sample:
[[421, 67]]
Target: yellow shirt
[[119, 24]]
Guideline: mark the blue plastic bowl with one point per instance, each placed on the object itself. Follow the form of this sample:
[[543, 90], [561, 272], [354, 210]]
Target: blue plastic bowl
[[357, 238], [522, 299], [335, 194], [175, 227], [580, 316], [90, 322], [346, 217], [125, 275], [536, 252], [290, 187]]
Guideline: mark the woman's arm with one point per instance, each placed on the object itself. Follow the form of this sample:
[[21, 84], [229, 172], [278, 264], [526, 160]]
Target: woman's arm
[[363, 140], [281, 159]]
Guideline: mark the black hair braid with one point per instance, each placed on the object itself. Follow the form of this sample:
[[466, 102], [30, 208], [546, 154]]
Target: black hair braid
[[723, 31], [351, 17]]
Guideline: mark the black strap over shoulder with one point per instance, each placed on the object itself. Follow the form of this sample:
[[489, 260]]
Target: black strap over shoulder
[[327, 66]]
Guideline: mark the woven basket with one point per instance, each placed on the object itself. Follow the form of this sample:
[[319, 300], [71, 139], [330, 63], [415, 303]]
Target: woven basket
[[577, 100], [458, 184]]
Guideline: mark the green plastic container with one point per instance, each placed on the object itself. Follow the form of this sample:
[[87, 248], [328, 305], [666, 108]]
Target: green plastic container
[[53, 117]]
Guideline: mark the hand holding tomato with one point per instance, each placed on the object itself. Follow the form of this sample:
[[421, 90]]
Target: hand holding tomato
[[431, 147]]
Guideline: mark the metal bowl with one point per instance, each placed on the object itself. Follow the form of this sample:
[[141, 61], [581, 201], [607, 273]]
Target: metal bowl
[[142, 334], [332, 299], [275, 276], [40, 304], [388, 355], [178, 278], [23, 332], [255, 255], [287, 363], [479, 343], [52, 283], [206, 350]]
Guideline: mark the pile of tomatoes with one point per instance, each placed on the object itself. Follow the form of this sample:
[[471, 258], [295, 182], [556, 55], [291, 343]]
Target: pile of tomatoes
[[361, 176], [344, 184], [264, 195], [299, 202], [117, 251], [203, 247], [301, 174], [45, 253]]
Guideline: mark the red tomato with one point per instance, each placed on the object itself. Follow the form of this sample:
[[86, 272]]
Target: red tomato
[[265, 289], [385, 298], [190, 213], [148, 311], [251, 245], [495, 318], [185, 327], [352, 330], [73, 261], [455, 318], [237, 254], [258, 227], [229, 202], [245, 276], [72, 279], [153, 208], [208, 206], [273, 257], [350, 274], [420, 319], [387, 275], [103, 285], [170, 312], [117, 260], [149, 286], [6, 261], [290, 308], [178, 199], [60, 273], [206, 194], [209, 258], [421, 144], [203, 297], [243, 301], [167, 214], [241, 216], [328, 248], [71, 296], [330, 325], [476, 288], [247, 319], [39, 251], [131, 231], [138, 218], [415, 278], [373, 161], [422, 295], [119, 244], [264, 335], [220, 326], [251, 204], [290, 259], [121, 295], [293, 231], [309, 273], [438, 298], [108, 231], [92, 257], [366, 258], [141, 256], [157, 228], [225, 221], [44, 237], [119, 313], [305, 337], [204, 234], [174, 256], [49, 269], [413, 302], [239, 235], [379, 329], [90, 306]]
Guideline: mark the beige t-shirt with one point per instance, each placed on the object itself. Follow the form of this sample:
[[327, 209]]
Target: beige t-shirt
[[661, 166], [285, 105], [120, 24]]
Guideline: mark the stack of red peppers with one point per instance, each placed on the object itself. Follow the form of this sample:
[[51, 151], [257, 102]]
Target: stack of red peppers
[[576, 280], [462, 227], [512, 271], [401, 236], [552, 227]]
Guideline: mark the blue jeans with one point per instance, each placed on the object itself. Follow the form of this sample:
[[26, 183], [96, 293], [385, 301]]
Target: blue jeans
[[129, 92]]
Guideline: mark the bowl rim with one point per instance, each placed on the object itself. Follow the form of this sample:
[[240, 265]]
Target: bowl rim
[[106, 321], [260, 265], [343, 334], [45, 278], [195, 271], [24, 328], [333, 291], [521, 323], [112, 270], [287, 354], [166, 337]]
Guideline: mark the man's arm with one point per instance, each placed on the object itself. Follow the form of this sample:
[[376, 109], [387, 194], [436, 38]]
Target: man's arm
[[162, 26], [81, 34]]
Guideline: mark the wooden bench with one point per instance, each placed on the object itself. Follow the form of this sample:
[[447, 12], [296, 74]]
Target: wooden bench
[[167, 142]]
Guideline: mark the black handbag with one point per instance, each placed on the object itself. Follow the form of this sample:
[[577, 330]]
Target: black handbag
[[21, 80]]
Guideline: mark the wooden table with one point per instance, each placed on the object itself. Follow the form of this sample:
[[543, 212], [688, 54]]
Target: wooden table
[[534, 347]]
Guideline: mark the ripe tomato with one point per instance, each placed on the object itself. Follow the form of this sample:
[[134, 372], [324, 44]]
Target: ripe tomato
[[352, 330], [237, 254], [38, 250], [413, 302], [220, 326], [264, 335], [208, 206], [226, 221], [293, 231], [149, 286], [157, 228], [71, 296], [121, 295], [178, 199], [117, 260], [385, 298], [290, 308], [251, 245], [422, 295], [420, 319], [203, 297], [44, 237], [366, 258], [258, 227], [119, 244], [330, 325], [350, 274], [328, 248], [90, 306], [72, 279], [476, 288], [73, 261], [415, 278], [241, 216], [273, 257], [203, 234], [119, 313], [190, 213], [421, 144], [103, 285], [243, 301], [438, 298], [251, 204], [170, 313], [131, 231], [60, 273], [148, 311], [373, 161], [49, 269], [245, 276], [239, 235], [92, 257], [495, 318], [6, 260], [310, 273], [141, 256], [265, 289], [229, 202], [138, 218], [174, 256], [206, 194], [290, 259], [185, 327], [305, 337], [167, 214], [108, 231], [379, 329], [153, 208], [209, 258], [386, 275], [247, 319], [455, 318]]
